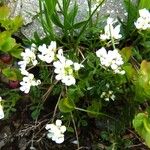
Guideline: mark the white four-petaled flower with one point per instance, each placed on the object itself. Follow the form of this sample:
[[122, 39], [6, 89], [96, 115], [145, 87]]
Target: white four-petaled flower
[[47, 53], [143, 22], [111, 59], [27, 82], [110, 31], [65, 68], [29, 56], [56, 131]]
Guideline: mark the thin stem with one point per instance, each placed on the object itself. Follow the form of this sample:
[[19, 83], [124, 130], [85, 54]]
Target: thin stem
[[45, 96], [78, 145], [96, 113], [56, 106]]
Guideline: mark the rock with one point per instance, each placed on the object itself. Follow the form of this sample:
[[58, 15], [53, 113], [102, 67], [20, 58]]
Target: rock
[[26, 8]]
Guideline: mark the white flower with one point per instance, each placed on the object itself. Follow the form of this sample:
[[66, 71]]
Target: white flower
[[27, 82], [56, 131], [47, 54], [77, 66], [68, 80], [64, 71], [101, 52], [58, 122], [144, 13], [60, 55], [22, 68], [65, 68], [108, 95], [29, 57], [33, 47], [1, 110], [110, 30], [143, 22], [111, 59]]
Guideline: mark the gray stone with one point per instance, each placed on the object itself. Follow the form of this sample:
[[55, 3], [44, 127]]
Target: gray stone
[[26, 8]]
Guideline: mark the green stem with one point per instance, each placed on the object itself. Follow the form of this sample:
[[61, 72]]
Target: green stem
[[78, 145], [90, 12], [96, 113], [56, 106]]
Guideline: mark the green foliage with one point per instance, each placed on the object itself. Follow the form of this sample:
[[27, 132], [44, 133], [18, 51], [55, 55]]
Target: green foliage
[[10, 26], [66, 105], [144, 4], [126, 53], [142, 86], [141, 123], [12, 74], [69, 26], [4, 12], [10, 102], [80, 41], [132, 11], [36, 102], [7, 42], [94, 108]]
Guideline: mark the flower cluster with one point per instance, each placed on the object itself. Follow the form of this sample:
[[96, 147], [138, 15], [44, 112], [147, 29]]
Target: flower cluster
[[56, 131], [27, 82], [107, 95], [29, 58], [64, 68], [111, 59], [110, 31], [1, 110], [47, 53], [143, 22]]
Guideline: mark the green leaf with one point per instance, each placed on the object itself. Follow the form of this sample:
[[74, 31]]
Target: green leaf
[[126, 53], [47, 8], [66, 105], [6, 41], [12, 74], [130, 71], [79, 24], [16, 51], [144, 4], [56, 20], [94, 108], [72, 14], [12, 25], [50, 6], [141, 123], [142, 82], [132, 11], [4, 12], [70, 129]]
